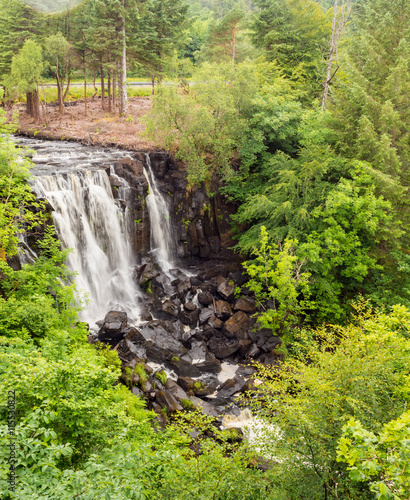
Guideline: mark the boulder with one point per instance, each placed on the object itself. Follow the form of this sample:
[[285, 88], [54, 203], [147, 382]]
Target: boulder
[[190, 306], [146, 273], [205, 314], [171, 307], [113, 328], [226, 290], [175, 390], [209, 366], [215, 322], [245, 304], [207, 408], [187, 384], [222, 310], [205, 298], [166, 400], [222, 347], [237, 326], [182, 367], [201, 388], [231, 387], [189, 318], [183, 287]]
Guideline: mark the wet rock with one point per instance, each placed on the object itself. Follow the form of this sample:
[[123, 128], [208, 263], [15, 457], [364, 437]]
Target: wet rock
[[222, 310], [209, 366], [272, 343], [189, 318], [145, 312], [112, 330], [163, 282], [231, 387], [205, 314], [215, 322], [124, 352], [245, 304], [134, 336], [187, 384], [166, 400], [244, 346], [186, 336], [205, 298], [222, 347], [202, 389], [239, 278], [252, 351], [226, 290], [190, 306], [171, 307], [182, 367], [237, 325], [184, 286], [146, 273]]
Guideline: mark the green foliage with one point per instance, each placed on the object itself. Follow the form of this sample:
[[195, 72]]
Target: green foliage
[[360, 371], [26, 68], [205, 125], [382, 460], [161, 376], [276, 275], [16, 198]]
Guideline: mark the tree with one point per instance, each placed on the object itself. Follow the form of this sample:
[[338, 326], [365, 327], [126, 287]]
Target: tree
[[224, 37], [26, 69], [59, 55], [340, 17], [382, 460], [292, 32], [161, 32], [334, 374], [276, 275]]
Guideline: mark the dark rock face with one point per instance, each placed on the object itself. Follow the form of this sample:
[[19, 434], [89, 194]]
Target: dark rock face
[[205, 298], [226, 290], [231, 387]]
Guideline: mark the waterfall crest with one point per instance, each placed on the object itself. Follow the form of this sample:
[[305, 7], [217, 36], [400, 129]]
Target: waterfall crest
[[88, 220], [162, 246]]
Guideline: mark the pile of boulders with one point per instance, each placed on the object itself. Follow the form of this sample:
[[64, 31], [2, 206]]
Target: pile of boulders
[[191, 327]]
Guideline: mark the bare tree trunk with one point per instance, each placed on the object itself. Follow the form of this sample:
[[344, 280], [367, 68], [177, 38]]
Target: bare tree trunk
[[95, 87], [123, 75], [36, 106], [85, 91], [109, 91], [29, 103], [59, 90], [338, 26], [114, 90], [152, 84], [45, 111], [102, 87]]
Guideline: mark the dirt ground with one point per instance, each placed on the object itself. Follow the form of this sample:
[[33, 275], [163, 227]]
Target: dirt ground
[[98, 127]]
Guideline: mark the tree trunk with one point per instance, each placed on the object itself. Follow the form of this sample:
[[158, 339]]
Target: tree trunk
[[36, 106], [29, 103], [124, 97], [95, 87], [102, 87], [114, 90], [338, 26], [109, 91], [85, 91], [60, 98], [152, 85]]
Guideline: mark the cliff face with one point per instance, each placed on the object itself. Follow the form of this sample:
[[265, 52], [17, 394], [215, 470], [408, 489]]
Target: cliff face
[[201, 221]]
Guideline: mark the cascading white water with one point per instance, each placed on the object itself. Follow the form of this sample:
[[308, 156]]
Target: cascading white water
[[88, 220], [161, 234]]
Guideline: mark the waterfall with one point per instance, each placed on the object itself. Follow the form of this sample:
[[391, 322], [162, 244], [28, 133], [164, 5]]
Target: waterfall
[[88, 220], [161, 235]]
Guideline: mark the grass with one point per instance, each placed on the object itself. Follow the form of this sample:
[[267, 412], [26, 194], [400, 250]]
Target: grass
[[78, 93]]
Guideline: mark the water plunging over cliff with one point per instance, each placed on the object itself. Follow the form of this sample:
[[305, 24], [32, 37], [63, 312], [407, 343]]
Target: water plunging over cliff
[[88, 220], [161, 234]]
